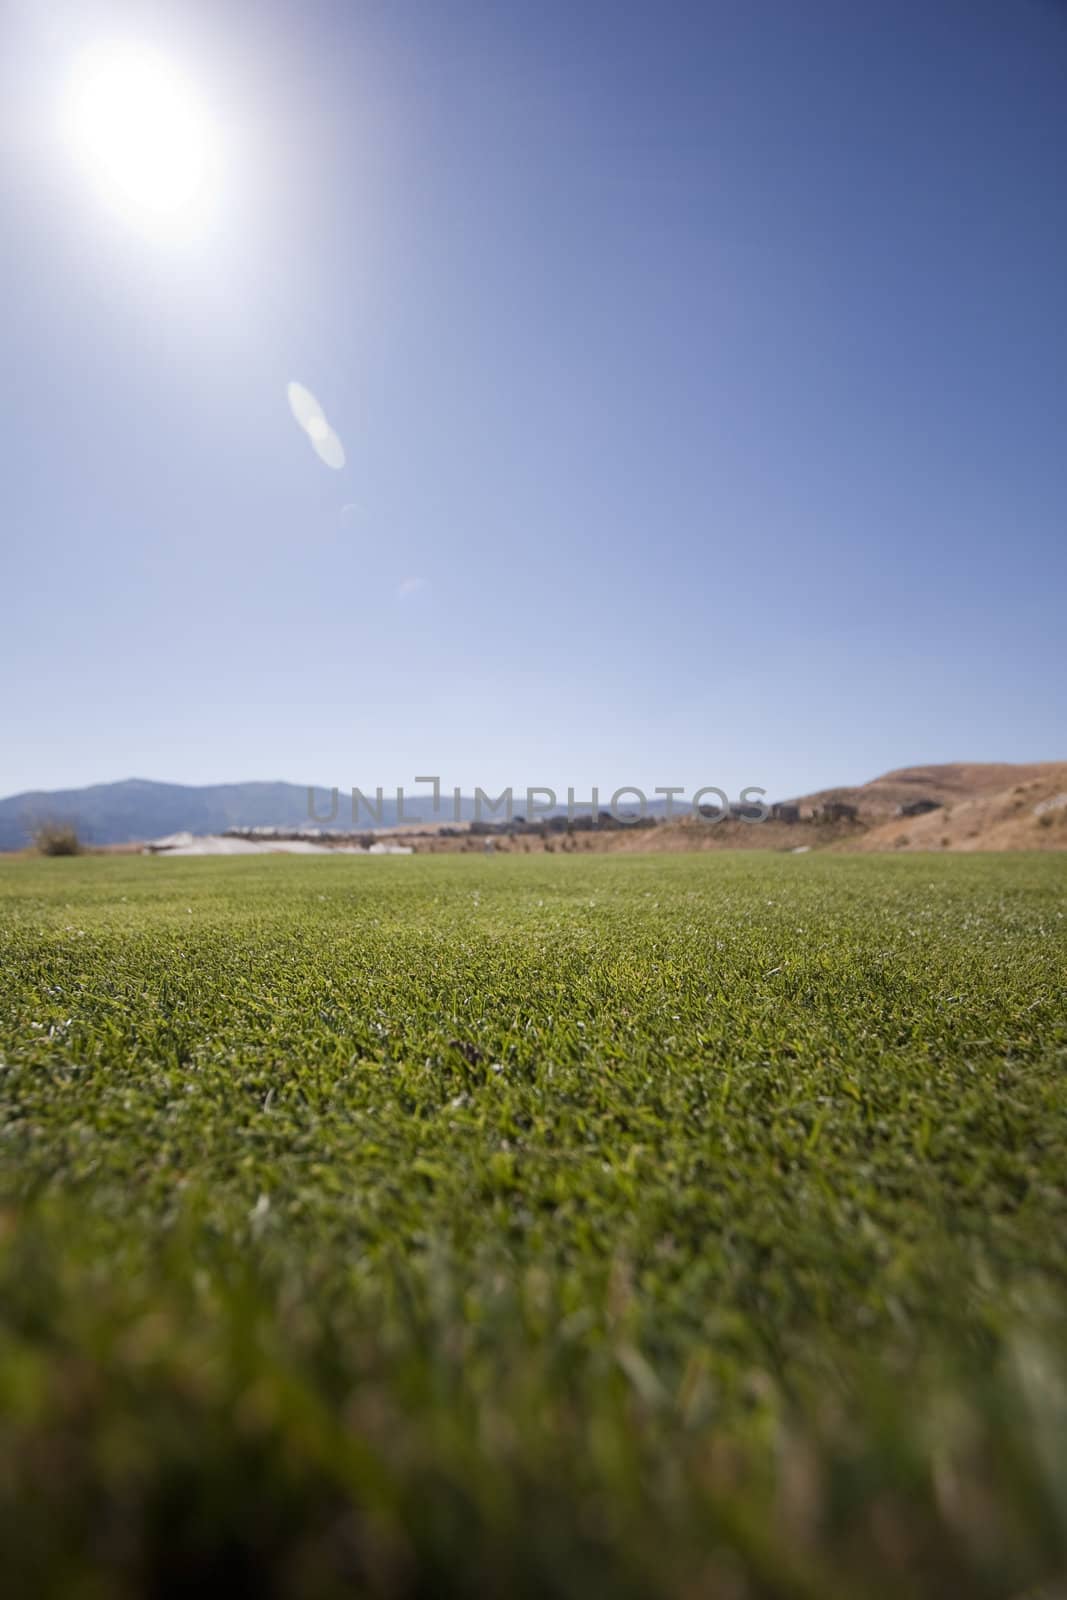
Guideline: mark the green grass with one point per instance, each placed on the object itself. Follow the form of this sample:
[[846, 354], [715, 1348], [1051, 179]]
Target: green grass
[[670, 1226]]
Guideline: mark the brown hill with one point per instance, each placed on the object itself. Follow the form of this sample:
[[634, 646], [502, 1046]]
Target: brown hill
[[974, 806], [981, 807], [948, 784]]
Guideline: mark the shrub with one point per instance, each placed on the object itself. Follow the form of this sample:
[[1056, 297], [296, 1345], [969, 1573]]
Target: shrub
[[57, 839]]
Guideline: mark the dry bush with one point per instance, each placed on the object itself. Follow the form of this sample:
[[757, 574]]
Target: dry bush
[[57, 839]]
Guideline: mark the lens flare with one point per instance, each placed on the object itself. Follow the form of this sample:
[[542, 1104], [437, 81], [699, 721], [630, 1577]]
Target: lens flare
[[311, 417]]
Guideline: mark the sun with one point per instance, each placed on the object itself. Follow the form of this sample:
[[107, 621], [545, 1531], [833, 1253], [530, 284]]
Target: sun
[[143, 134]]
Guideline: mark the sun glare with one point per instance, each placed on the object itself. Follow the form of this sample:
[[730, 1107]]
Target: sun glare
[[142, 133]]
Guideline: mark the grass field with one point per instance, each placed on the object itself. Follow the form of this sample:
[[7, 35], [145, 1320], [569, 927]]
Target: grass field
[[677, 1226]]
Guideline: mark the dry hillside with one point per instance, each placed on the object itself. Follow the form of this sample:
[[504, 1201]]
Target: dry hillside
[[950, 784], [982, 808], [979, 806]]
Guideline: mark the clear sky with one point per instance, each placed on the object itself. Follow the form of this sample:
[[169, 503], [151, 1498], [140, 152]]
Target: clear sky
[[700, 369]]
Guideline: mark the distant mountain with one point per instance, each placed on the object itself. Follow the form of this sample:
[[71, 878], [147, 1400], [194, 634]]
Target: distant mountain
[[115, 813], [137, 808], [969, 806], [118, 813]]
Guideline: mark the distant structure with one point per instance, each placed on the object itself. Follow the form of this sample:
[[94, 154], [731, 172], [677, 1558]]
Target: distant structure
[[918, 808], [785, 811], [272, 841], [838, 811]]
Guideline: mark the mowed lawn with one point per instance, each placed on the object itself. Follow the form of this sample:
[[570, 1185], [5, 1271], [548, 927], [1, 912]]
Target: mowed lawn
[[662, 1226]]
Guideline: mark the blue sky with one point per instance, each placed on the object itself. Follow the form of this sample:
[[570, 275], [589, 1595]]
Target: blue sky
[[701, 372]]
